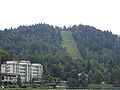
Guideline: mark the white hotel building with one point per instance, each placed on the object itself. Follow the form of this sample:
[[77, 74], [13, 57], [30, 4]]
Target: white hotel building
[[25, 69]]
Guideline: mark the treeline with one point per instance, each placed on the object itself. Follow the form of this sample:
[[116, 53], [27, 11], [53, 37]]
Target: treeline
[[41, 43]]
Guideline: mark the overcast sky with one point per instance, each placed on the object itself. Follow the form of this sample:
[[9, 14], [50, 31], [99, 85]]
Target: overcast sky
[[102, 14]]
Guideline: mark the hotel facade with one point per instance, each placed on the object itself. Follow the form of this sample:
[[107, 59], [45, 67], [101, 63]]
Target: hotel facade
[[27, 71]]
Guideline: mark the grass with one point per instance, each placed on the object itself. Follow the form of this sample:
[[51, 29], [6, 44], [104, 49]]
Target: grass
[[70, 45], [100, 86], [90, 87], [28, 89]]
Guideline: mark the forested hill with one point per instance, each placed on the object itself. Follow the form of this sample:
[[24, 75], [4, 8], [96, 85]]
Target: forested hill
[[102, 46], [99, 51], [41, 38], [40, 43]]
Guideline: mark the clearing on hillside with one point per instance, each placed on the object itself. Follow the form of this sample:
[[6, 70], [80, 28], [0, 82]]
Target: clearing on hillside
[[70, 45]]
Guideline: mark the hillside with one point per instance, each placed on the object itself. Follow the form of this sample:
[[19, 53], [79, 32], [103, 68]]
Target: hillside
[[41, 38], [65, 52], [70, 45], [39, 43], [96, 44]]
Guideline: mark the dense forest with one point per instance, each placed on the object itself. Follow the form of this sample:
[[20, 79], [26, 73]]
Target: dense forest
[[42, 43]]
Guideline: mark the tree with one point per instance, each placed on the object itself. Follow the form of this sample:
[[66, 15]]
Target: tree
[[98, 77], [19, 83], [83, 79], [3, 56], [72, 80], [108, 77], [116, 76], [88, 67]]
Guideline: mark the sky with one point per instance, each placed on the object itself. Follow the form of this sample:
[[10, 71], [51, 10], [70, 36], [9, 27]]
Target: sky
[[102, 14]]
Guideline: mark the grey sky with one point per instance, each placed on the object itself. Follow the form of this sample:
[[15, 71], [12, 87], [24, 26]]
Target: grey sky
[[102, 14]]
